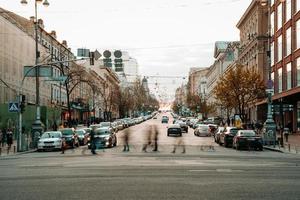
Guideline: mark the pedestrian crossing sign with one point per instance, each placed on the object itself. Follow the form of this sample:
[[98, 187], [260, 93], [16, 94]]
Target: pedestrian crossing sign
[[13, 107]]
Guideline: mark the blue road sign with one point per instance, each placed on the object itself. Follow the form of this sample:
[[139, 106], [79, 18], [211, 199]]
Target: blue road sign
[[13, 107]]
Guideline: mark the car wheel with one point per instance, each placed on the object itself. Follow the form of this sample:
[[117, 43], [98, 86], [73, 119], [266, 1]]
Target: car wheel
[[225, 143], [73, 145], [115, 143], [180, 135]]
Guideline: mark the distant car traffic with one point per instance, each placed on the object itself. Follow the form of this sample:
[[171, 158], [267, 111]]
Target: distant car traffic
[[174, 130], [165, 119], [50, 140], [247, 139], [218, 133]]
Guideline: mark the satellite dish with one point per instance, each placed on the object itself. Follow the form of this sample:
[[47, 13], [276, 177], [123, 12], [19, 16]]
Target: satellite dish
[[107, 54]]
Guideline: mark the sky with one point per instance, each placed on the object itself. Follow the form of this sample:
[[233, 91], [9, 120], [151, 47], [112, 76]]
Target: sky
[[167, 37]]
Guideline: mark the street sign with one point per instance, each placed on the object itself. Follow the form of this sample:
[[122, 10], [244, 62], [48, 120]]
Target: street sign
[[83, 52], [118, 54], [13, 107], [61, 79], [107, 54], [45, 71], [97, 54]]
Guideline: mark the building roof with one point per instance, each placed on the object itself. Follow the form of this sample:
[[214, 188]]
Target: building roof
[[220, 47], [253, 3]]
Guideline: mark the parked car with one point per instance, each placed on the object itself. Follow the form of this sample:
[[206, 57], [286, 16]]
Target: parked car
[[226, 137], [218, 133], [70, 137], [247, 139], [174, 129], [82, 136], [202, 130], [104, 137], [50, 140], [165, 119]]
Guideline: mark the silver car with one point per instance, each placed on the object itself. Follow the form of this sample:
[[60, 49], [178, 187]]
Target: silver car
[[202, 130], [51, 140]]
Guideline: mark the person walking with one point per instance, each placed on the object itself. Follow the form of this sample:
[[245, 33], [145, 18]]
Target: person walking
[[9, 138], [179, 142], [147, 139], [155, 138], [1, 138], [92, 137], [126, 140]]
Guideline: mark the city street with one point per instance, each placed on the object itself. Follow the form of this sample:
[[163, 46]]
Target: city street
[[201, 173]]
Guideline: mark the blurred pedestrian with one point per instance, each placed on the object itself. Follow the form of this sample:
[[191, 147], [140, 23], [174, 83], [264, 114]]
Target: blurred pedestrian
[[1, 138], [155, 137], [179, 142], [54, 126], [92, 136], [126, 139], [147, 139], [9, 138], [63, 145]]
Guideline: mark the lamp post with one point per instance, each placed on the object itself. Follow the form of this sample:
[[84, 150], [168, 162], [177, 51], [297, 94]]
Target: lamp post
[[270, 126], [37, 127]]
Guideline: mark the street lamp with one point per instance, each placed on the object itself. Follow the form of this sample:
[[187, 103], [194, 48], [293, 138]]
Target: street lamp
[[270, 126], [37, 127]]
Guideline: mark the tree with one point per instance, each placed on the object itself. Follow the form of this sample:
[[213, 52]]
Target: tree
[[238, 88]]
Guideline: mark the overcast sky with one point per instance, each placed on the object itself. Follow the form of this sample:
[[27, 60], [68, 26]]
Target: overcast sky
[[167, 37]]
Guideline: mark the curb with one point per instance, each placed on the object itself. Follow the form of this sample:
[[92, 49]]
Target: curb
[[18, 153], [273, 149]]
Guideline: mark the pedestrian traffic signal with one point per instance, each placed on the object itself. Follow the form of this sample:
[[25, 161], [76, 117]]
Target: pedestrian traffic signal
[[107, 62], [92, 58], [22, 103]]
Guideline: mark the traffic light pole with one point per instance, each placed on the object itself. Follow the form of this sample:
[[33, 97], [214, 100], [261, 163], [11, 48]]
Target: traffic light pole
[[19, 146]]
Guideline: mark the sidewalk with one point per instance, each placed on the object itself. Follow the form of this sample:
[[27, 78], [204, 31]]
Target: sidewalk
[[292, 146], [13, 150]]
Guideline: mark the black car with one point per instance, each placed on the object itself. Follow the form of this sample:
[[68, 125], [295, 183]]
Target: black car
[[174, 130], [226, 137], [70, 137], [247, 139], [104, 137], [82, 136]]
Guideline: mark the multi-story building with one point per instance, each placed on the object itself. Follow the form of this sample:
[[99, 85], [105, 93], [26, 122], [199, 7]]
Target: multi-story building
[[197, 81], [224, 56], [285, 59], [253, 27]]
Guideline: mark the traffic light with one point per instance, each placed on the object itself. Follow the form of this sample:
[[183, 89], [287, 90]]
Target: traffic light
[[22, 103], [92, 58]]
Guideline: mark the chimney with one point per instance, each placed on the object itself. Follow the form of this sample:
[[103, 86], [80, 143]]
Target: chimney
[[53, 34], [31, 19], [41, 23], [64, 42]]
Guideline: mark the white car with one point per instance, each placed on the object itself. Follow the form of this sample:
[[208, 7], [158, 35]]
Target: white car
[[51, 140], [202, 130]]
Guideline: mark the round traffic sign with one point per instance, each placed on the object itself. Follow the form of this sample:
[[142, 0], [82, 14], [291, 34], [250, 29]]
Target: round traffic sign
[[107, 54], [118, 54]]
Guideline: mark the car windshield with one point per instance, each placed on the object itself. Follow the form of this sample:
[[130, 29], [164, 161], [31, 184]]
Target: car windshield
[[80, 132], [233, 131], [104, 124], [102, 132], [51, 135], [67, 131], [247, 133]]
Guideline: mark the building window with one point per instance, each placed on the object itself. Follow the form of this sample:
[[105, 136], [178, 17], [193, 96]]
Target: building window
[[288, 76], [272, 54], [279, 16], [272, 78], [298, 5], [288, 41], [288, 10], [280, 80], [272, 23], [279, 48], [298, 33], [298, 71]]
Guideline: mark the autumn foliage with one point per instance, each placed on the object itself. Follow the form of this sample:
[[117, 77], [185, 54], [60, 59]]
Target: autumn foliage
[[238, 88]]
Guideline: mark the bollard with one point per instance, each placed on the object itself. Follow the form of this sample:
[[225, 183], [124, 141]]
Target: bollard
[[289, 145], [14, 149]]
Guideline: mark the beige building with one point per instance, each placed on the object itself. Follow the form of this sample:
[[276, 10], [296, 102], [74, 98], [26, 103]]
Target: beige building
[[197, 81]]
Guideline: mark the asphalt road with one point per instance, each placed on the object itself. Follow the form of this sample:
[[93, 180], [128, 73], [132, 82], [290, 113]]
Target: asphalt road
[[200, 173]]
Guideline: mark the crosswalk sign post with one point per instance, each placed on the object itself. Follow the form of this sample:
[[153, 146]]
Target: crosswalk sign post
[[13, 107]]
